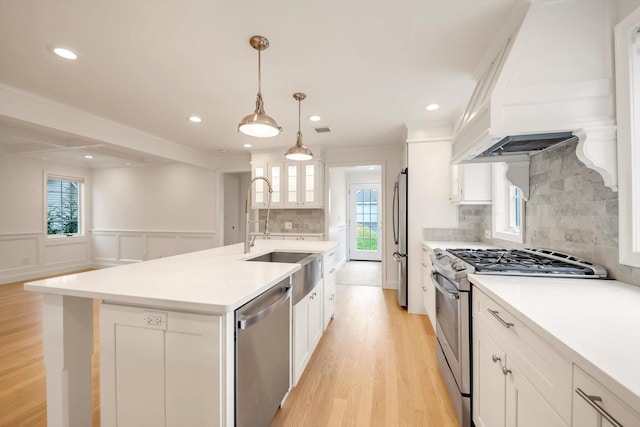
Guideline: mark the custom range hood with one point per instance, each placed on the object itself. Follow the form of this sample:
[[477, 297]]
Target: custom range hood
[[547, 78]]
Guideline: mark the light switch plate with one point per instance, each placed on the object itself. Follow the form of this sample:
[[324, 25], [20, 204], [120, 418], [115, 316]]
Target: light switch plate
[[288, 225]]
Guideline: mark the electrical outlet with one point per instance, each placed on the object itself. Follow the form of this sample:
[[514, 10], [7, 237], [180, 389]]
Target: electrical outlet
[[155, 319], [487, 234], [288, 225]]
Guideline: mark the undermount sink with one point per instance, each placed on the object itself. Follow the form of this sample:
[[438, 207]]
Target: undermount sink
[[286, 257], [303, 280]]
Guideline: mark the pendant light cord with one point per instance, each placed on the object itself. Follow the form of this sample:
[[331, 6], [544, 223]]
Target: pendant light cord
[[299, 110], [259, 75]]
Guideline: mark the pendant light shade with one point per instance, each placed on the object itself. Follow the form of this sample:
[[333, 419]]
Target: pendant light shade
[[259, 124], [299, 152]]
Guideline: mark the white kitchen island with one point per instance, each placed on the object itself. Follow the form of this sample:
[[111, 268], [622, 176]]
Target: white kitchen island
[[187, 302]]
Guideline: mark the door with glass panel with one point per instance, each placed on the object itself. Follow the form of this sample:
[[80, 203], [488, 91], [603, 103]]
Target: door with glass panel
[[364, 222]]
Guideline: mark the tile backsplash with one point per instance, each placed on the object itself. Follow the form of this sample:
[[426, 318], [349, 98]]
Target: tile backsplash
[[569, 210], [303, 220]]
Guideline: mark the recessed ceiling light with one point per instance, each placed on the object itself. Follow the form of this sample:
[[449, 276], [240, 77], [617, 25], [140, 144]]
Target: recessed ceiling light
[[65, 53], [247, 146], [432, 107], [195, 119], [315, 118], [88, 156]]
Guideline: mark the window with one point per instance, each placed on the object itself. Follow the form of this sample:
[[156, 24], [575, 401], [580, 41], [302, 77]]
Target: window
[[64, 206], [628, 128], [508, 207], [367, 219]]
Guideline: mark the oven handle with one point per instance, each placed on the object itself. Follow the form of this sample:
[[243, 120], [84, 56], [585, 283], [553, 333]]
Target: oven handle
[[442, 289]]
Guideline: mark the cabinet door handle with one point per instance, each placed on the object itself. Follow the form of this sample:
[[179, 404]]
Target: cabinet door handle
[[332, 254], [494, 313], [591, 400], [505, 370], [495, 358]]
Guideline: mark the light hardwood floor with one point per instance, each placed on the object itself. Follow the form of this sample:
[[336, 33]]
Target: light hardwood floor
[[375, 366]]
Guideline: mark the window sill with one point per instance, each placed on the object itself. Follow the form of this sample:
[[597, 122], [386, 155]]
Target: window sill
[[61, 239], [511, 237]]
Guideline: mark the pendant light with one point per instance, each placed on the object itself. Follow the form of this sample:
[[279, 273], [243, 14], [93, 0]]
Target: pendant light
[[259, 124], [299, 152]]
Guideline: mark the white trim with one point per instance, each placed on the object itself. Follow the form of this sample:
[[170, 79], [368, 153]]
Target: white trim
[[627, 110], [501, 207]]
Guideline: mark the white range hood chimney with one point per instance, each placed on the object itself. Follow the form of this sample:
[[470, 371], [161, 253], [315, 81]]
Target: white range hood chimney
[[548, 74]]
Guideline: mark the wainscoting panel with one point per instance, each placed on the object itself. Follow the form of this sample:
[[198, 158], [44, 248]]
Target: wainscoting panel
[[132, 247], [196, 243], [25, 256], [68, 252], [161, 246], [105, 246], [118, 247], [19, 251]]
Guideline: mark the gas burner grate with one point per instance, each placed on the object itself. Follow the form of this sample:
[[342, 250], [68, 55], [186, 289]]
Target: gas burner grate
[[536, 262]]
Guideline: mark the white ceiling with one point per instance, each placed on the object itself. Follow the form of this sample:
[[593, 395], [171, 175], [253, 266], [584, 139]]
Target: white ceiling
[[367, 67]]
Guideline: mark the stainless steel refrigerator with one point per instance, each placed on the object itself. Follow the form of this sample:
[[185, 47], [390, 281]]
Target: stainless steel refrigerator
[[400, 234]]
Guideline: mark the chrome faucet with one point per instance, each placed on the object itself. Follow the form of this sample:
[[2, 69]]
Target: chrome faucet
[[247, 244]]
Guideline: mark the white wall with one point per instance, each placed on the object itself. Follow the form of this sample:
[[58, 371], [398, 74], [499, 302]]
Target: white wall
[[337, 196], [390, 157], [25, 250], [429, 186], [155, 211]]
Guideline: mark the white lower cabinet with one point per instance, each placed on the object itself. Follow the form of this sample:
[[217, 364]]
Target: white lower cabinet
[[159, 368], [596, 406], [329, 282], [519, 380], [489, 394], [307, 330], [428, 288], [504, 396]]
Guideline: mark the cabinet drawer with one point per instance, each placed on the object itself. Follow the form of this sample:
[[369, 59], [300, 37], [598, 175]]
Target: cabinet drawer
[[329, 261], [426, 256], [538, 361], [593, 403]]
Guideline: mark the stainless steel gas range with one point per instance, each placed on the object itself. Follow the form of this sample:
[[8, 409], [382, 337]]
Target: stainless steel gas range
[[453, 303]]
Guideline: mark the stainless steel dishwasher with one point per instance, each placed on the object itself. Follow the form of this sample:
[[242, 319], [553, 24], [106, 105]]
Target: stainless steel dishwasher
[[262, 355]]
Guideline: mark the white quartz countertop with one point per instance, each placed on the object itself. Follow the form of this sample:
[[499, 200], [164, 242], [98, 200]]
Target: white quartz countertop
[[216, 280], [595, 323], [435, 244]]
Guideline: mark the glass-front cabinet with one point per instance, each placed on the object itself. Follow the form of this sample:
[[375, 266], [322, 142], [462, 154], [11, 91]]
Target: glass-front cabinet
[[259, 190], [304, 184], [295, 184]]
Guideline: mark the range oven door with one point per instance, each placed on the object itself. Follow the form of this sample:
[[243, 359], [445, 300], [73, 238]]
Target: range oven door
[[452, 329]]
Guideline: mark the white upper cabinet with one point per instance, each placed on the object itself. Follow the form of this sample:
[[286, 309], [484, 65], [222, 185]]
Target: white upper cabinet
[[296, 185], [471, 184], [304, 184], [259, 190]]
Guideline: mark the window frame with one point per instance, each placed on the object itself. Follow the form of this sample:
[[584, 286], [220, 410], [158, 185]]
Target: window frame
[[627, 59], [506, 205], [50, 176]]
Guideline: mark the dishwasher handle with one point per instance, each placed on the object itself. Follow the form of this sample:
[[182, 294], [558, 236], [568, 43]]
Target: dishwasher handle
[[245, 322]]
